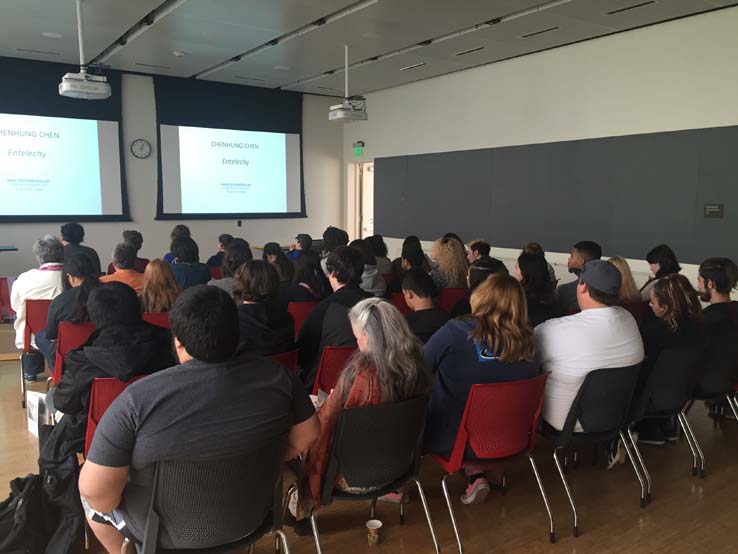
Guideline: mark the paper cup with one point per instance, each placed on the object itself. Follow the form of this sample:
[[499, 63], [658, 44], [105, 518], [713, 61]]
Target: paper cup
[[373, 526]]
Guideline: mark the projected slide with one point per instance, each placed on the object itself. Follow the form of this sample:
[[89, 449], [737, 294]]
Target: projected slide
[[52, 166], [224, 171]]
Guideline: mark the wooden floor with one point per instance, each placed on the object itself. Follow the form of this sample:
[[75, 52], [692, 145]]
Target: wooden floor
[[688, 515]]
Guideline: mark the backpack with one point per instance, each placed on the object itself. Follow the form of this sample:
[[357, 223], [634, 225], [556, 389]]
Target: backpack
[[23, 528]]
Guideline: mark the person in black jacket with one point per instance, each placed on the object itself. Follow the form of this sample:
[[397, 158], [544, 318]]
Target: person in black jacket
[[72, 234], [266, 327], [531, 271], [310, 284], [122, 346], [419, 290], [78, 280], [328, 323]]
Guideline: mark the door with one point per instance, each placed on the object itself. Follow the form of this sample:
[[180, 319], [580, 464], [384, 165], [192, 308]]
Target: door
[[366, 184]]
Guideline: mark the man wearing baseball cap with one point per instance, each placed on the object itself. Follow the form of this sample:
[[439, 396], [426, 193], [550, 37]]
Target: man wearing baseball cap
[[602, 335], [303, 241]]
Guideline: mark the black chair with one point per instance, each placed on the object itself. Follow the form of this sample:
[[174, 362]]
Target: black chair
[[376, 448], [216, 505], [717, 366], [601, 407], [668, 389]]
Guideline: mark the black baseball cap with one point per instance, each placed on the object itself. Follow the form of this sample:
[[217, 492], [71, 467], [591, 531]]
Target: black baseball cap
[[602, 276]]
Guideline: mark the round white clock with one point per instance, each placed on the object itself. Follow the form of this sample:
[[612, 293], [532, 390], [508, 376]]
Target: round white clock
[[141, 148]]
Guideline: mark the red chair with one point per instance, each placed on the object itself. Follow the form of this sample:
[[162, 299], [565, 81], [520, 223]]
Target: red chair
[[37, 312], [332, 361], [69, 336], [216, 272], [499, 421], [299, 312], [398, 301], [5, 298], [637, 310], [160, 319], [449, 297], [287, 359], [102, 393]]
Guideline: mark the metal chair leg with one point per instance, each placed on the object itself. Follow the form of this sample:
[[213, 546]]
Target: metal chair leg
[[421, 493], [647, 475], [688, 429], [568, 492], [444, 486], [23, 387], [689, 443], [635, 468], [373, 508], [316, 536], [286, 503], [733, 404], [283, 538], [251, 548], [402, 508], [551, 529]]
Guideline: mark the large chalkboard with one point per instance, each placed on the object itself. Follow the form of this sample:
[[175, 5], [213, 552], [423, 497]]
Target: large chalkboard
[[628, 193]]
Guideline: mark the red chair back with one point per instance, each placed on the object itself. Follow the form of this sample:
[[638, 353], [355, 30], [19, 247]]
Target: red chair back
[[5, 297], [160, 319], [37, 312], [287, 359], [500, 420], [637, 310], [449, 297], [102, 393], [398, 301], [216, 272], [299, 312], [69, 336], [332, 361]]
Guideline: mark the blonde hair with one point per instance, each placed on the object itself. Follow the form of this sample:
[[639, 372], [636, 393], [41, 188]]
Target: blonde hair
[[160, 287], [451, 259], [500, 310], [628, 293]]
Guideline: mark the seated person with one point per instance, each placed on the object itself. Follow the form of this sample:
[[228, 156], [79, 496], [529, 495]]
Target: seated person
[[160, 289], [532, 272], [43, 283], [451, 265], [194, 409], [266, 326], [677, 325], [565, 296], [72, 235], [477, 249], [79, 279], [274, 254], [124, 260], [629, 293], [122, 346], [369, 379], [303, 243], [493, 345], [371, 280], [333, 237], [537, 249], [236, 253], [419, 292], [187, 268], [602, 335], [179, 231], [478, 272], [135, 239], [310, 284], [328, 323], [662, 262], [216, 260], [378, 248], [716, 279]]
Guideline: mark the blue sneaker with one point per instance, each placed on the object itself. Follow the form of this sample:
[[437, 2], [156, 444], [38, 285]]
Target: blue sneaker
[[30, 378]]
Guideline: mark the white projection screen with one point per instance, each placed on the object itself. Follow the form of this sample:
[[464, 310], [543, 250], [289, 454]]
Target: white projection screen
[[222, 173], [58, 168]]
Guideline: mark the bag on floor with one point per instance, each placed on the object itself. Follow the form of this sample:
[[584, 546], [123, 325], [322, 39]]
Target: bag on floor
[[23, 528]]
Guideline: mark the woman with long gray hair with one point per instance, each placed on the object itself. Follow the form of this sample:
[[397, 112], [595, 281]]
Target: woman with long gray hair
[[387, 367]]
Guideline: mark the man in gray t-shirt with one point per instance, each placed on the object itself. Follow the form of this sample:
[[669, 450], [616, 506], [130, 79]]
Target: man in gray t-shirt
[[210, 404]]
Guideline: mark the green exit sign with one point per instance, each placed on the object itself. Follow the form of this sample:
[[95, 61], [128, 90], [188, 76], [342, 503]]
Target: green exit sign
[[358, 147]]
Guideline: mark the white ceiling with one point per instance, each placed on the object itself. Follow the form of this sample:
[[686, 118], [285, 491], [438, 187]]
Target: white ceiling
[[211, 32]]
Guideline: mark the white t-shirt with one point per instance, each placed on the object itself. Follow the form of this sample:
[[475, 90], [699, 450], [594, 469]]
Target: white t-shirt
[[571, 347], [44, 283]]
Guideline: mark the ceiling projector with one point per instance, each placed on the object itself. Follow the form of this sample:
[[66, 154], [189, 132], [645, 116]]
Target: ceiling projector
[[348, 110], [85, 86]]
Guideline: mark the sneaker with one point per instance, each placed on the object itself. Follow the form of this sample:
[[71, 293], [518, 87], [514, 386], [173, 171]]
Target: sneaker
[[653, 436], [616, 456], [301, 527], [393, 498], [30, 378], [476, 492]]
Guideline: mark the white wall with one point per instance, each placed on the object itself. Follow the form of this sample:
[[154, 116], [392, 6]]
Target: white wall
[[322, 142], [677, 75]]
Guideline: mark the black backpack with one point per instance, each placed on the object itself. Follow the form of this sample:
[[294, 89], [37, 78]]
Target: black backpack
[[23, 528]]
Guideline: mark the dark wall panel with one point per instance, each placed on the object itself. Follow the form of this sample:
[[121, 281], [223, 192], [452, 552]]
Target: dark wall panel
[[628, 193]]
